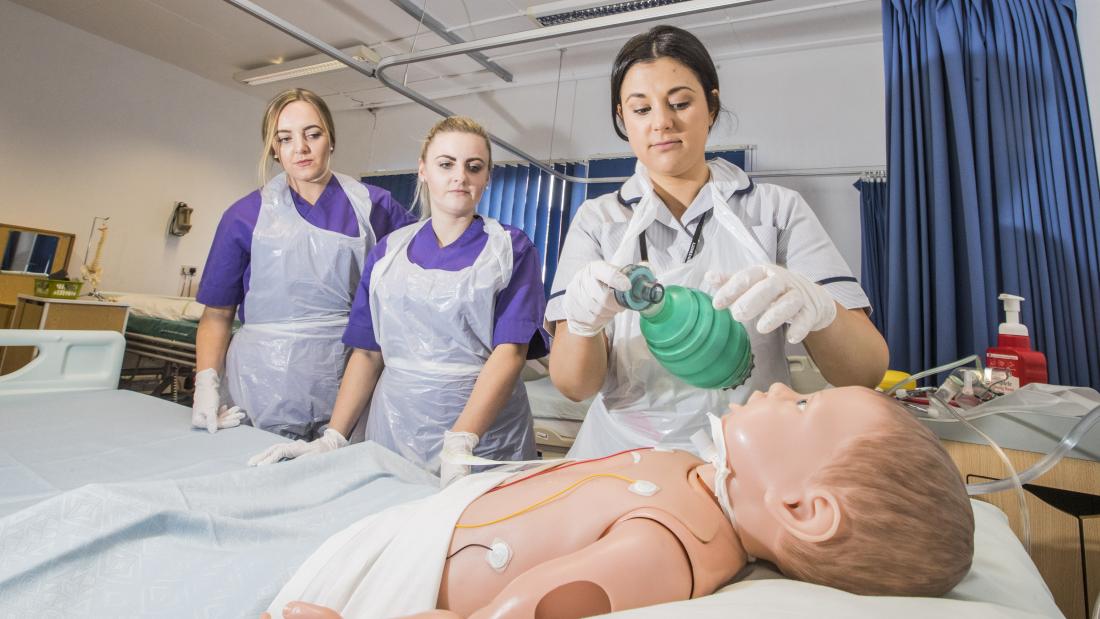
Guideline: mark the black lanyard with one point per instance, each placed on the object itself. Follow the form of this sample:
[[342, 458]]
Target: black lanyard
[[643, 248]]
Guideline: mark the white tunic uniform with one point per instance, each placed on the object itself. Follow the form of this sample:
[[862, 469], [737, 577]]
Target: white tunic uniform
[[640, 403]]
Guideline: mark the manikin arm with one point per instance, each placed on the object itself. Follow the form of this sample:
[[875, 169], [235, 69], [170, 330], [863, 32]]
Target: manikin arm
[[638, 563]]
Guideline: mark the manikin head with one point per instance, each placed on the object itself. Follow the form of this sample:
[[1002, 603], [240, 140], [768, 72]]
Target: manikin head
[[843, 488]]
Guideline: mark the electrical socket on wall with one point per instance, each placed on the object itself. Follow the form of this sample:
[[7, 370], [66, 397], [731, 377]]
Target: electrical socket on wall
[[187, 269]]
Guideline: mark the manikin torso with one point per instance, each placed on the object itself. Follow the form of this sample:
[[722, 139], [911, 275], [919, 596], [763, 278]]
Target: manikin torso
[[682, 504]]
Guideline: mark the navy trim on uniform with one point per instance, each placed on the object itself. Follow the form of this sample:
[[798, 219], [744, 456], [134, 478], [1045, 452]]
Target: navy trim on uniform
[[556, 294], [833, 280], [627, 203], [741, 192]]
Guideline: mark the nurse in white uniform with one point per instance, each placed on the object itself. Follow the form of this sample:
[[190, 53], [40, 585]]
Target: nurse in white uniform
[[757, 248]]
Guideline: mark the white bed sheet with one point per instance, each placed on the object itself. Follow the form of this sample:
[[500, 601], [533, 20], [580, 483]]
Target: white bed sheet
[[50, 443], [56, 442], [159, 306], [1003, 582]]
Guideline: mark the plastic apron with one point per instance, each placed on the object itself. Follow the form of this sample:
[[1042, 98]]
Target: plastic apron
[[285, 363], [435, 329], [640, 403]]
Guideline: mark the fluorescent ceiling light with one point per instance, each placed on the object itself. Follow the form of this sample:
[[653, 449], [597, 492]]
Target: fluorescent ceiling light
[[565, 11], [302, 67]]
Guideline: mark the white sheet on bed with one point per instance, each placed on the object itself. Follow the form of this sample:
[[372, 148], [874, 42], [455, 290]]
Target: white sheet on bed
[[179, 543], [1002, 583], [50, 443], [389, 564], [211, 546], [159, 306]]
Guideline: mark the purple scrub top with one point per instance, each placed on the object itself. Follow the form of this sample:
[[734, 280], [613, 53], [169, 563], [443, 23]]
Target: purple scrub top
[[228, 266], [517, 315]]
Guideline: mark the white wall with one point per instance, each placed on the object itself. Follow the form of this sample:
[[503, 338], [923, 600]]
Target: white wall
[[809, 109], [93, 128]]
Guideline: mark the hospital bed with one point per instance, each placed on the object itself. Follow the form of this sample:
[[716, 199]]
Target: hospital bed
[[113, 506], [160, 344]]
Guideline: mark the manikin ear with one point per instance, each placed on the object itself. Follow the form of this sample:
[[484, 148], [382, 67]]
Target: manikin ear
[[811, 516]]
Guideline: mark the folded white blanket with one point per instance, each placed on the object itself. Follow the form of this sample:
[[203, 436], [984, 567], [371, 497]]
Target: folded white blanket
[[390, 563], [159, 306]]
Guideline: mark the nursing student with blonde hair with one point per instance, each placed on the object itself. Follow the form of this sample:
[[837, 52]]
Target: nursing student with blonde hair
[[286, 259], [446, 315]]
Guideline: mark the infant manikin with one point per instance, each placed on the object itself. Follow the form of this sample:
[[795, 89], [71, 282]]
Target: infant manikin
[[649, 526]]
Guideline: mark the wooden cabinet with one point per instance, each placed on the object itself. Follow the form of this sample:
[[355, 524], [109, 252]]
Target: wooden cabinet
[[1054, 534], [15, 278], [38, 313], [6, 311]]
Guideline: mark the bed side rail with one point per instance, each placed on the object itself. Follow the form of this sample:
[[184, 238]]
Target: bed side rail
[[66, 361]]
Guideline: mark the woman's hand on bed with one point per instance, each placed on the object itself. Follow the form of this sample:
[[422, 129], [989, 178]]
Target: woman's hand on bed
[[331, 440], [226, 418], [455, 446], [207, 410]]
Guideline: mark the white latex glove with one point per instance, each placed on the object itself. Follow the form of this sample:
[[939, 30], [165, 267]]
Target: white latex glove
[[331, 440], [207, 410], [589, 302], [455, 444], [777, 296]]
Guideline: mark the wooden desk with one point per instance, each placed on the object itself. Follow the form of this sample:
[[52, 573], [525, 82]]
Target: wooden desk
[[33, 312], [1054, 537]]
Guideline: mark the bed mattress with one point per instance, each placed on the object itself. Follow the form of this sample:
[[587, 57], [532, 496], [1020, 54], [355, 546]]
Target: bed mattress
[[50, 443]]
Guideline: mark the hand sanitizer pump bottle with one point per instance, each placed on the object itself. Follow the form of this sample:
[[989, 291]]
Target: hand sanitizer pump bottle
[[698, 344], [1012, 363]]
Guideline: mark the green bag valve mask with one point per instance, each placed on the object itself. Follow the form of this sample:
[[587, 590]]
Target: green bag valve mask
[[702, 346]]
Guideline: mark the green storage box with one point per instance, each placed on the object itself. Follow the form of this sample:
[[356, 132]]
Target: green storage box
[[57, 288]]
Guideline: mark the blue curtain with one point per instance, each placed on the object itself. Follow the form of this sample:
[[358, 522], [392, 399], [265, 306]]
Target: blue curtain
[[537, 203], [401, 186], [534, 201], [872, 209], [993, 182], [624, 166]]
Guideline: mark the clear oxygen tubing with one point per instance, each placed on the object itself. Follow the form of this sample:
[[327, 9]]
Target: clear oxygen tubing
[[1012, 481], [936, 370], [1068, 442]]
